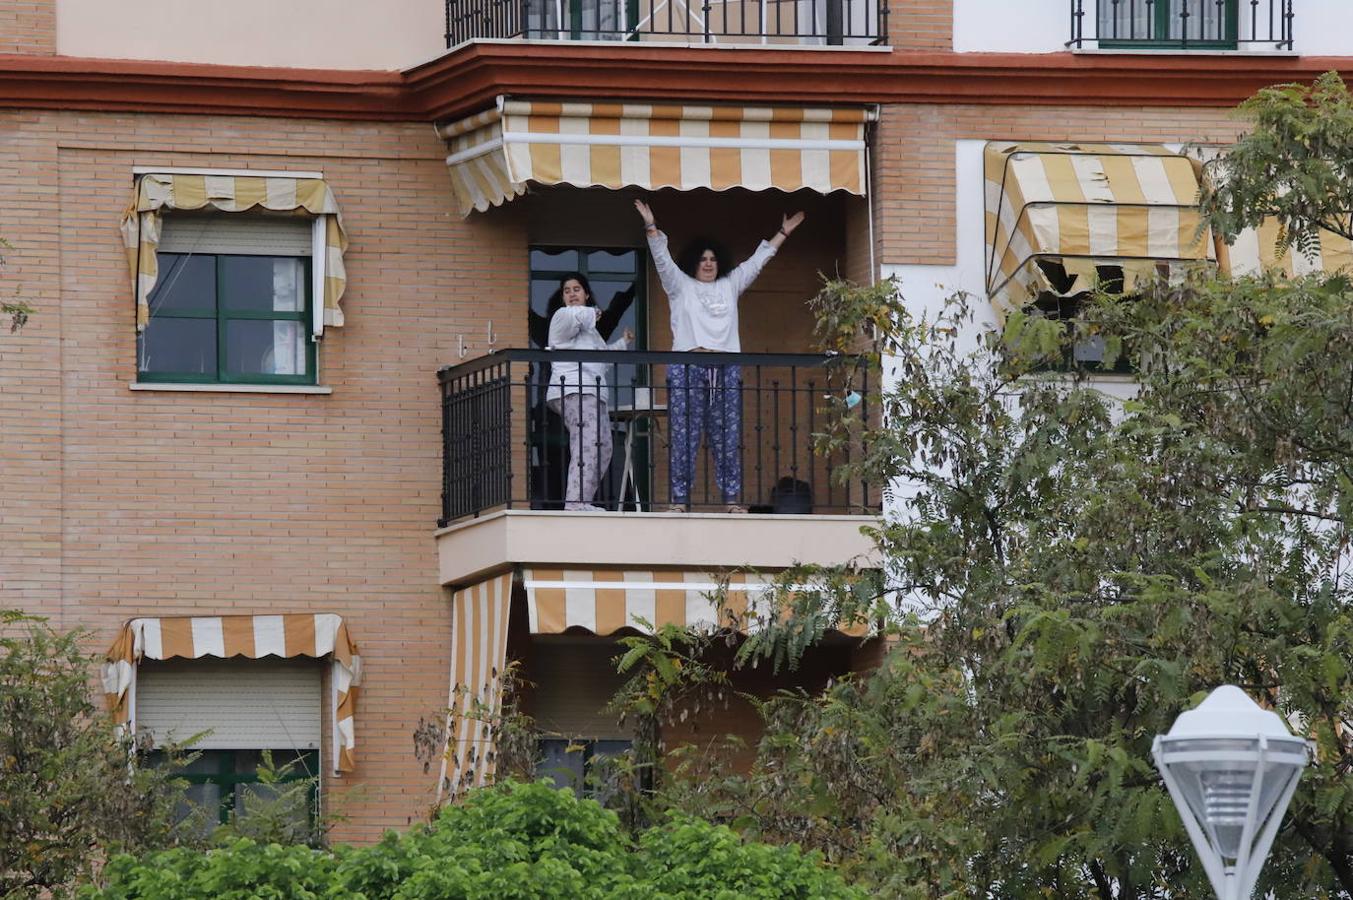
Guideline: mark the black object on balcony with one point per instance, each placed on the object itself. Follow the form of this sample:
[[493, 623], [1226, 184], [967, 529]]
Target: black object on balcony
[[777, 22], [504, 445], [1181, 24]]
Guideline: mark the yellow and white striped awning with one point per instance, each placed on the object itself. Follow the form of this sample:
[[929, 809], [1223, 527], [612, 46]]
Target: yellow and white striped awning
[[1131, 206], [479, 617], [156, 192], [495, 153], [1255, 251], [307, 634], [603, 601]]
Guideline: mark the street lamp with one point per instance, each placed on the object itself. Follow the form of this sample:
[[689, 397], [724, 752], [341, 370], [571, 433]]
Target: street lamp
[[1231, 768]]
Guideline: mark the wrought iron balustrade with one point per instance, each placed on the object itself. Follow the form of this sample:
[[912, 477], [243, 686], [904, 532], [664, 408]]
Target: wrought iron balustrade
[[1182, 24], [804, 22], [505, 446]]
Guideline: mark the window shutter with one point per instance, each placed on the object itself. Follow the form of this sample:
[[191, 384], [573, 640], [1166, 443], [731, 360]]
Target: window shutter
[[248, 704], [244, 235], [573, 684]]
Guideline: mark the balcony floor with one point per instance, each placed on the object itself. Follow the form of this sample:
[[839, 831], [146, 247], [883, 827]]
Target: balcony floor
[[470, 548]]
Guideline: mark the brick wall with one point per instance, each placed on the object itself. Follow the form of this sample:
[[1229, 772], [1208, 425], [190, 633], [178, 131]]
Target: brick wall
[[28, 26], [121, 503], [921, 24]]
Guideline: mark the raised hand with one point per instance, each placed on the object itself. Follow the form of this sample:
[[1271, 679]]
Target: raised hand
[[789, 223], [645, 213]]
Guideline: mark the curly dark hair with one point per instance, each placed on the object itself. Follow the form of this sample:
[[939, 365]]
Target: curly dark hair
[[556, 301], [690, 256]]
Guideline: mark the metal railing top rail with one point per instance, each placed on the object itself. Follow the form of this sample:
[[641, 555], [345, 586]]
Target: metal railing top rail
[[829, 22], [1182, 24], [648, 357]]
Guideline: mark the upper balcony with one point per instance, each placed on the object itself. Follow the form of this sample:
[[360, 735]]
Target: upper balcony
[[1181, 25], [724, 22]]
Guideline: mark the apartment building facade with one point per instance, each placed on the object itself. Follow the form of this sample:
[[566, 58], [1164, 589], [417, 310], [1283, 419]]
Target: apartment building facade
[[277, 432]]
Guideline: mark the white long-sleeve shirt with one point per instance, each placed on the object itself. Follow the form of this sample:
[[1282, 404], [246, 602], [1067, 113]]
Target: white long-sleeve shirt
[[705, 314], [575, 328]]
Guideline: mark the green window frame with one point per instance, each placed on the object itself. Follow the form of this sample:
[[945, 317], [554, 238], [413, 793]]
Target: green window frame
[[231, 770], [1162, 15], [226, 308]]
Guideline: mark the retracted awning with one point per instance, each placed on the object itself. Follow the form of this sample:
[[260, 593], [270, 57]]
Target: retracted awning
[[603, 601], [254, 637], [479, 617], [156, 192], [1256, 250], [1133, 207], [495, 153]]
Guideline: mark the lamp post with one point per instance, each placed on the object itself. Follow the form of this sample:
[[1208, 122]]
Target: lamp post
[[1231, 768]]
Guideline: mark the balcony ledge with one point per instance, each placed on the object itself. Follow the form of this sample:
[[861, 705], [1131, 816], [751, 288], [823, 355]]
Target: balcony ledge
[[503, 538]]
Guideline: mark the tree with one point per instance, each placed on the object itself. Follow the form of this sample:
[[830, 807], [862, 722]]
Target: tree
[[1077, 570], [70, 792]]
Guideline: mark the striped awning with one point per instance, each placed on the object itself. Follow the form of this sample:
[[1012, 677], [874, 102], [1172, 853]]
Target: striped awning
[[155, 193], [603, 601], [495, 153], [1082, 206], [479, 616], [254, 637], [1256, 250]]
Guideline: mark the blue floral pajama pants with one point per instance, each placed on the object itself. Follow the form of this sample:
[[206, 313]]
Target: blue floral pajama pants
[[705, 400]]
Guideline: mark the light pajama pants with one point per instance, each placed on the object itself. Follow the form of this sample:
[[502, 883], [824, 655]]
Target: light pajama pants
[[589, 446]]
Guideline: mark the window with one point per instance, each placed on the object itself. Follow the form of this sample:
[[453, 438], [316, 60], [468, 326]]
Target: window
[[1168, 23], [590, 20], [583, 766], [1087, 354], [232, 304], [617, 278], [222, 782], [229, 711]]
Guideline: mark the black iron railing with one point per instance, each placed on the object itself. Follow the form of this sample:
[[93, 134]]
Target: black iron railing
[[826, 22], [1182, 24], [506, 433]]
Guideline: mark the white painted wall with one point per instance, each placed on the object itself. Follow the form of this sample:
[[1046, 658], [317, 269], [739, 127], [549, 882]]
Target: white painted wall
[[1323, 27], [1320, 27], [320, 34], [1002, 26]]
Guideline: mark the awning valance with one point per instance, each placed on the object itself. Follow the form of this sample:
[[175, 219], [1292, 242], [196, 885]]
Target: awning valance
[[495, 153], [1082, 206], [1256, 251], [314, 635], [603, 601], [479, 616], [157, 192]]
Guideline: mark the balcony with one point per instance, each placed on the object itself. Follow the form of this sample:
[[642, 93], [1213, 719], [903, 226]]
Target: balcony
[[770, 22], [1175, 25], [507, 464]]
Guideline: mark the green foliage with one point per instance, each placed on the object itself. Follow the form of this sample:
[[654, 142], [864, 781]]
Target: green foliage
[[510, 841], [68, 790], [1295, 166], [279, 809], [1076, 570], [242, 870], [17, 310]]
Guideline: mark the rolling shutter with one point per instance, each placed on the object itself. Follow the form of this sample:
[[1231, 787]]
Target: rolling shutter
[[245, 703], [254, 235], [573, 684]]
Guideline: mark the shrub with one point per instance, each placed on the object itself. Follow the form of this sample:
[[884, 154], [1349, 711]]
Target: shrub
[[510, 841]]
